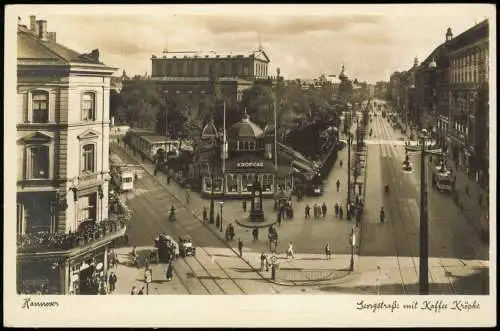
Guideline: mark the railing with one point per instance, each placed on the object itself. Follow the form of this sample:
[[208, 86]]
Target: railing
[[46, 241], [88, 179]]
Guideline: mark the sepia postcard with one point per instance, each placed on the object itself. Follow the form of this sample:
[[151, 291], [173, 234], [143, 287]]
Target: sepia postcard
[[250, 165]]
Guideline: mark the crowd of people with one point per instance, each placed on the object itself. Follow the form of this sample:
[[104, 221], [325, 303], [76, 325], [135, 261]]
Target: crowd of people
[[62, 241]]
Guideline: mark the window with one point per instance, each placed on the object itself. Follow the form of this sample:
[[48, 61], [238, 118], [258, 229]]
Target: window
[[40, 107], [232, 183], [88, 158], [245, 146], [267, 183], [88, 107], [245, 70], [87, 208], [38, 162]]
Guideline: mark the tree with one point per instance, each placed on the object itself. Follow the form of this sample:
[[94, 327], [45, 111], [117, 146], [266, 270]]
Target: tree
[[259, 102], [140, 103]]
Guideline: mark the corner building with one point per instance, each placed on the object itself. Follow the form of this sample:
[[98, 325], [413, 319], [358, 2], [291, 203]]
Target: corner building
[[62, 158]]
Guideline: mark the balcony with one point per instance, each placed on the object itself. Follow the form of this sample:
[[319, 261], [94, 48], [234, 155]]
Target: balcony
[[90, 236], [66, 244], [88, 180]]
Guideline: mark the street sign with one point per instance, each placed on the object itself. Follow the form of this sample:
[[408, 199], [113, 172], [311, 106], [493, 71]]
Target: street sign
[[147, 276]]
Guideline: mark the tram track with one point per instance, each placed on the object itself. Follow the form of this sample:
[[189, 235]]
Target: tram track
[[446, 272], [173, 197]]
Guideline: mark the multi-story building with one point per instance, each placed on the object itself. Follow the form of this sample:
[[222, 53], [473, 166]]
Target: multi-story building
[[187, 76], [62, 163], [381, 90], [448, 94], [469, 100]]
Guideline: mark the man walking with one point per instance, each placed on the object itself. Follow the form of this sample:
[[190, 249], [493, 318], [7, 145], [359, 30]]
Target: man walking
[[112, 282], [336, 210], [341, 212], [204, 214], [262, 261], [323, 209], [338, 185], [307, 212], [255, 233], [328, 252], [240, 247]]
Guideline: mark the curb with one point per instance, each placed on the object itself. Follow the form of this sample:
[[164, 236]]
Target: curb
[[216, 233]]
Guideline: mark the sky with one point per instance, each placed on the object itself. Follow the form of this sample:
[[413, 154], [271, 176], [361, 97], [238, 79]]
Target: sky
[[304, 41]]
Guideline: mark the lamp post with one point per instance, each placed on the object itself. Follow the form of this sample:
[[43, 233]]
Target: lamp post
[[352, 240], [349, 142], [221, 203], [424, 217], [211, 212]]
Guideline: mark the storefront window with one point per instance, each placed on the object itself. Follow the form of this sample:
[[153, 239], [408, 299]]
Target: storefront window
[[208, 184], [246, 181], [267, 183], [232, 183], [39, 278], [217, 184]]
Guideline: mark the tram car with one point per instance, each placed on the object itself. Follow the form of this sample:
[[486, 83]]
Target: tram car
[[152, 146]]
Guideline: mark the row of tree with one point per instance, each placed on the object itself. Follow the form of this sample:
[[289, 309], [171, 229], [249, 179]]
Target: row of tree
[[142, 104]]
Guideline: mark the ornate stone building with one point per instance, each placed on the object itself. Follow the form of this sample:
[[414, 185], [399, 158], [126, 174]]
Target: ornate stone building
[[62, 156]]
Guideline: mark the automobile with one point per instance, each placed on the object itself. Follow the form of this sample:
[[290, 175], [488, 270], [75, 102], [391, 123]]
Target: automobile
[[186, 247], [407, 166], [168, 248]]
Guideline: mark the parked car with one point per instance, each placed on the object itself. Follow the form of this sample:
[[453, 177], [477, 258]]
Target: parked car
[[186, 247]]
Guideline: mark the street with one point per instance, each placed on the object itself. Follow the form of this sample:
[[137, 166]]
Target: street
[[458, 260]]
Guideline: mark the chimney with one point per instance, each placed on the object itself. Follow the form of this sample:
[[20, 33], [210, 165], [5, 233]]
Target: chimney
[[33, 23], [51, 36], [42, 29]]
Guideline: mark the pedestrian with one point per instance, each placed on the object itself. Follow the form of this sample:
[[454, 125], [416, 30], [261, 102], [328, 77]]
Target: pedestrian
[[255, 233], [112, 282], [204, 214], [307, 212], [267, 262], [133, 291], [227, 233], [382, 215], [323, 209], [341, 212], [231, 231], [328, 253], [141, 291], [170, 272], [336, 209], [262, 261], [315, 211], [279, 219], [244, 205], [340, 163], [240, 247], [338, 185], [188, 197], [289, 252]]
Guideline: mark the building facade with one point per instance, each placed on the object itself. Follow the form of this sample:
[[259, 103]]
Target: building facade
[[448, 94], [469, 100], [62, 156], [189, 76], [249, 155]]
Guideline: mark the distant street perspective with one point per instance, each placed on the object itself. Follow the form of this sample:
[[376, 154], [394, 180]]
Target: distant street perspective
[[213, 174]]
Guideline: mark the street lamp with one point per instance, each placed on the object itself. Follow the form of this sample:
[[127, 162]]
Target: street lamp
[[352, 240], [349, 142], [221, 203], [424, 217], [211, 212]]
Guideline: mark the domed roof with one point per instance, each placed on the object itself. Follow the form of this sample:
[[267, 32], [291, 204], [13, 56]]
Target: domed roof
[[209, 131], [245, 129]]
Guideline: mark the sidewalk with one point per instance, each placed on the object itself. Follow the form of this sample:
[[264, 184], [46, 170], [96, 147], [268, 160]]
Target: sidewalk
[[469, 202], [306, 268]]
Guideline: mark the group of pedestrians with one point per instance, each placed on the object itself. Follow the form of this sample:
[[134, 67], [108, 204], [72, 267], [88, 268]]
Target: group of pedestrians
[[318, 211]]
